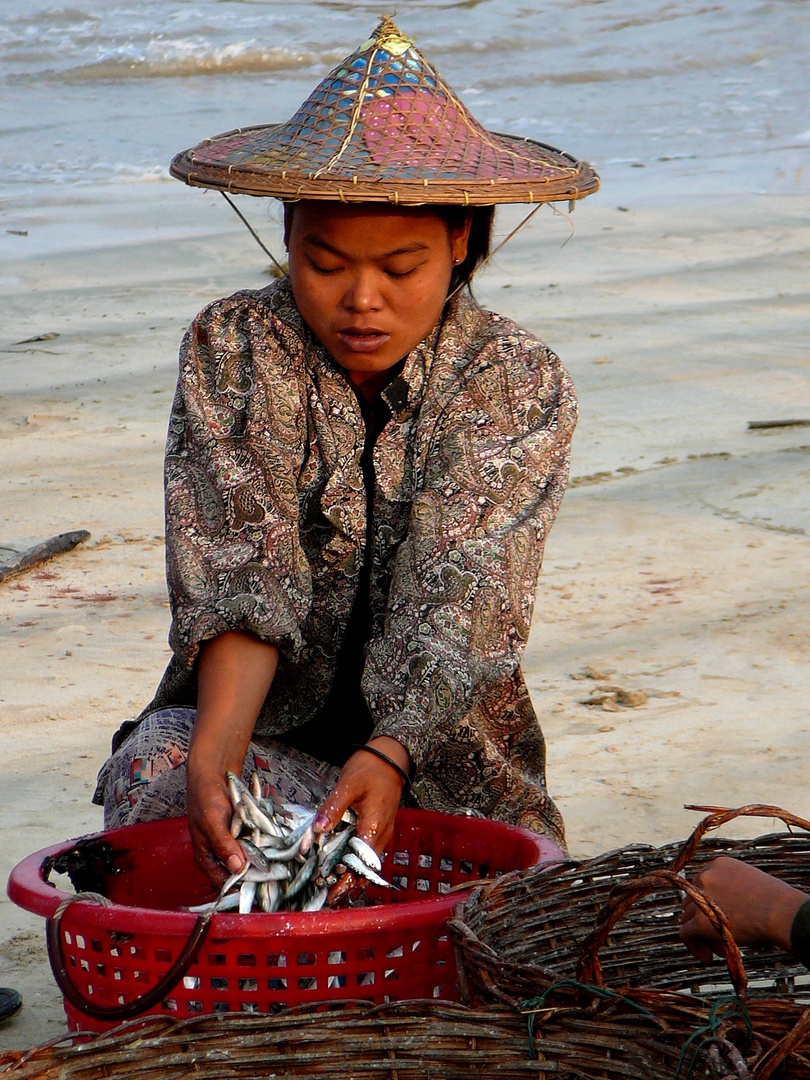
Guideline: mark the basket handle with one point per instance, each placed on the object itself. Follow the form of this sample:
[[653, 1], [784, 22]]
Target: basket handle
[[589, 968], [719, 815], [117, 1013]]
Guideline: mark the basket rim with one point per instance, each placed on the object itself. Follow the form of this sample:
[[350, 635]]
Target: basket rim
[[28, 889]]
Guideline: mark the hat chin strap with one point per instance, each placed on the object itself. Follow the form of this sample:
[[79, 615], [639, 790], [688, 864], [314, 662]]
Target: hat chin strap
[[456, 262], [254, 234], [495, 250]]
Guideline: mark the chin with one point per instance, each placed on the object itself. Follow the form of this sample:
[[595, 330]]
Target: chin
[[365, 365]]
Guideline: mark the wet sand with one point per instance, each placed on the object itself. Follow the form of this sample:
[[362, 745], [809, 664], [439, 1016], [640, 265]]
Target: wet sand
[[676, 578]]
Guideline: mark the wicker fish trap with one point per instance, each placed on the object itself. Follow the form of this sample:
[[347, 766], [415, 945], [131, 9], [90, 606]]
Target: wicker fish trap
[[416, 1040], [517, 936]]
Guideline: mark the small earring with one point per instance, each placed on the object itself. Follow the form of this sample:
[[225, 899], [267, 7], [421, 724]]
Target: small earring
[[456, 262]]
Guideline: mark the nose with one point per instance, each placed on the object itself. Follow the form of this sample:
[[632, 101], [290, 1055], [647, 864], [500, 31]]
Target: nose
[[363, 291]]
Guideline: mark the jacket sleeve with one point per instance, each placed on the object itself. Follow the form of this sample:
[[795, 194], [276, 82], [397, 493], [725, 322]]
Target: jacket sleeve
[[489, 487], [234, 451]]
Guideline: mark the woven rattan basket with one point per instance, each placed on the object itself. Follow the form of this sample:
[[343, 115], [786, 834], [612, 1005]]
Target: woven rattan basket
[[413, 1040], [520, 934], [615, 1039]]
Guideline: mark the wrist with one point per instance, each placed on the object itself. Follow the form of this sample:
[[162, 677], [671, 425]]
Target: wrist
[[392, 749], [374, 748], [781, 915], [211, 763]]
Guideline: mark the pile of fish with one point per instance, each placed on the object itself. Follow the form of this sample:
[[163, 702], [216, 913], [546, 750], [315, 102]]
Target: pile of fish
[[288, 866]]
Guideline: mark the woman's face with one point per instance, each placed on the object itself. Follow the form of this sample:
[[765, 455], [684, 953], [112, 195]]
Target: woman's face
[[370, 281]]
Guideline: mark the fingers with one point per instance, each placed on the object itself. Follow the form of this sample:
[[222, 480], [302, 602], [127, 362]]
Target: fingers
[[205, 861], [333, 808], [348, 886], [209, 815], [696, 932], [697, 946], [216, 855], [370, 788]]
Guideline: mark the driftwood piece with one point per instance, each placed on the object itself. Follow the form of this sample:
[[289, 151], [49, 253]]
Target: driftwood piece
[[754, 425], [39, 337], [40, 553]]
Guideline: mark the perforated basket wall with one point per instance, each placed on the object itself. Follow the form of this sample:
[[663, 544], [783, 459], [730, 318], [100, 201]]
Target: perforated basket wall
[[395, 949]]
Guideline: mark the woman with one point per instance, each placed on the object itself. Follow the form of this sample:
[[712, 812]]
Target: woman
[[362, 467]]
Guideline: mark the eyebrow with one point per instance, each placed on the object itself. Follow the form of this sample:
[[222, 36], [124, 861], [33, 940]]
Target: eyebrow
[[407, 249]]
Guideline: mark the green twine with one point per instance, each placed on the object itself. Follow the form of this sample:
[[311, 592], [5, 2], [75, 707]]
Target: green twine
[[722, 1008], [531, 1006], [736, 1009]]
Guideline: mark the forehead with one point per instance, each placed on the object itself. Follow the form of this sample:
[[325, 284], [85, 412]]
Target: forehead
[[366, 226]]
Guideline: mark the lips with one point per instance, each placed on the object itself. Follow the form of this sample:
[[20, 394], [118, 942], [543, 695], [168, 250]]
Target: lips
[[363, 339]]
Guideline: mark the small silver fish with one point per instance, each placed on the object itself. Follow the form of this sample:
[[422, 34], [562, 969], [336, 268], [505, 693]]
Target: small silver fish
[[235, 788], [274, 872], [316, 901], [254, 817], [302, 877], [222, 903], [365, 852], [254, 855], [353, 863], [288, 867], [247, 894]]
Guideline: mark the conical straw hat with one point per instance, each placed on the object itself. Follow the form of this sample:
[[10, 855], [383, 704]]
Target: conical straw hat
[[385, 127]]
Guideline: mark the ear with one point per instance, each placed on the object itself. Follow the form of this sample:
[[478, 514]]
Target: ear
[[459, 238], [288, 216]]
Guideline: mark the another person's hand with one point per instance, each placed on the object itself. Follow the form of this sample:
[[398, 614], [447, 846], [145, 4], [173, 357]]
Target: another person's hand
[[760, 908], [373, 789]]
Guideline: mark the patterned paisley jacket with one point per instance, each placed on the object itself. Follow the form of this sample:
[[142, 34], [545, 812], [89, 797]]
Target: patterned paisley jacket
[[266, 531]]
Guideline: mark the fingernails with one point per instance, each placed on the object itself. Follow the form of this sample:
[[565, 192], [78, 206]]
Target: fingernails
[[235, 863], [321, 823]]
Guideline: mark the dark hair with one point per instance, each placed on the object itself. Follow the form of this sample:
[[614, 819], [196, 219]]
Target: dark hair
[[478, 244]]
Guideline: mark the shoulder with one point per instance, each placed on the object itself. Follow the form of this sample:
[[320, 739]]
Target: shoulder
[[506, 342], [492, 356], [253, 332], [250, 314]]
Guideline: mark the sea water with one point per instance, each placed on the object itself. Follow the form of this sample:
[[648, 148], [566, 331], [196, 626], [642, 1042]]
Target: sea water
[[672, 96]]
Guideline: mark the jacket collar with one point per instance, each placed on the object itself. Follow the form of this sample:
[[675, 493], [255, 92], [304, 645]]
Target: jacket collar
[[403, 395]]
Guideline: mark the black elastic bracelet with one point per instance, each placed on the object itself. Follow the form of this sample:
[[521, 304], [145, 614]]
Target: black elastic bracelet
[[384, 757]]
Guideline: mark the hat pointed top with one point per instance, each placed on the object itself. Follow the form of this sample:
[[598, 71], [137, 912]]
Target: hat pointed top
[[388, 36], [384, 126]]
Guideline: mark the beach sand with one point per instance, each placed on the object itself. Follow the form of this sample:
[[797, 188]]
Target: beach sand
[[677, 570]]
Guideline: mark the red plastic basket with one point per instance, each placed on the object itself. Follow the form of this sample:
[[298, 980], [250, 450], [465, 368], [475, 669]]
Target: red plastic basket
[[393, 950]]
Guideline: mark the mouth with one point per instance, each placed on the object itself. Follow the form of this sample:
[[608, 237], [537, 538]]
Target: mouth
[[363, 338]]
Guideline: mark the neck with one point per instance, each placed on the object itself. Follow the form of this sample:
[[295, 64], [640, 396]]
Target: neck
[[369, 383]]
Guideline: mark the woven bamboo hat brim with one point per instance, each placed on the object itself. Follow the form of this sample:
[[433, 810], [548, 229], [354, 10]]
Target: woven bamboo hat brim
[[385, 127]]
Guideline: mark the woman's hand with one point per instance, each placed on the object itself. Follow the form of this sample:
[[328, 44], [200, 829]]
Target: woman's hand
[[760, 908], [373, 789], [209, 818]]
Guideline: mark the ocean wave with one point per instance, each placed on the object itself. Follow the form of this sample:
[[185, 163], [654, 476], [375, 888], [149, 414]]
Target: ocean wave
[[80, 172], [186, 59], [50, 17]]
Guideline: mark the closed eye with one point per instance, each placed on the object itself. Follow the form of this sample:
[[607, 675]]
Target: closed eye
[[396, 272], [323, 269]]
